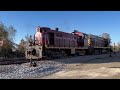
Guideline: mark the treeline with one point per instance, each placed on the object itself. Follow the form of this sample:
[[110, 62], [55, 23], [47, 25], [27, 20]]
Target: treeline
[[9, 49], [116, 46]]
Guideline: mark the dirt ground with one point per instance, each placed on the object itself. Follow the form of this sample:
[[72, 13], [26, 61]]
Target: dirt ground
[[88, 67]]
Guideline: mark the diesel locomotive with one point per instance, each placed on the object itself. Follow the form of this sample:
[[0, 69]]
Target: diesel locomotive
[[51, 43]]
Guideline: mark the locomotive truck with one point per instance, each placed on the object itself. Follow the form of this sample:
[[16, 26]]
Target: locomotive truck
[[55, 43]]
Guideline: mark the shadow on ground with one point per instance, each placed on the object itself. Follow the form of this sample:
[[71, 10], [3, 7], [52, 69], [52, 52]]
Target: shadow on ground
[[92, 59], [12, 61]]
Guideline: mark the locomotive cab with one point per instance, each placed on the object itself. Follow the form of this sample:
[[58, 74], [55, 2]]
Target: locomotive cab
[[51, 38], [54, 43], [80, 38]]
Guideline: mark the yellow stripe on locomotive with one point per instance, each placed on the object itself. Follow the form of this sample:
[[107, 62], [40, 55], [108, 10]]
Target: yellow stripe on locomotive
[[89, 41]]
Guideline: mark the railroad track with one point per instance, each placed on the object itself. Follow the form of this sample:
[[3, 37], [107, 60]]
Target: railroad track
[[23, 60], [13, 61]]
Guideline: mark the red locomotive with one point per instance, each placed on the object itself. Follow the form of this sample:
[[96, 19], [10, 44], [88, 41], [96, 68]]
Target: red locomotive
[[56, 43]]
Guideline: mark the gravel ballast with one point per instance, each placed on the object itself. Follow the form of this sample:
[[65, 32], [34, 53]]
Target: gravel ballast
[[24, 71]]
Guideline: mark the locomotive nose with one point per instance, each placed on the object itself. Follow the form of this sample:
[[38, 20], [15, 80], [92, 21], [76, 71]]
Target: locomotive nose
[[33, 52]]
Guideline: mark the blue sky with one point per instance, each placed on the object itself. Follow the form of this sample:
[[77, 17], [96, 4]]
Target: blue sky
[[94, 22]]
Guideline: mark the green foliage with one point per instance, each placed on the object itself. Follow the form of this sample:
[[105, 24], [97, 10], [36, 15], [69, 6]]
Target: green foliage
[[27, 37], [3, 32], [7, 34], [106, 36], [11, 33], [21, 46]]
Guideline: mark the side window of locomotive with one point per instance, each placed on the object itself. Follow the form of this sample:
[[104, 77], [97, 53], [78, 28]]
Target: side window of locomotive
[[44, 30], [80, 37], [40, 30], [43, 35]]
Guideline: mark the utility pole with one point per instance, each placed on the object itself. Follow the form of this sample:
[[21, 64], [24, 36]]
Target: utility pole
[[114, 48]]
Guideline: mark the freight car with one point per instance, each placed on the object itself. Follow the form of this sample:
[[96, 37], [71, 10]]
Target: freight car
[[56, 43]]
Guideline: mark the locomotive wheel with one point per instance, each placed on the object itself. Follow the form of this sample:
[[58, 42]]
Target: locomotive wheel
[[81, 53], [96, 52], [48, 55], [63, 54]]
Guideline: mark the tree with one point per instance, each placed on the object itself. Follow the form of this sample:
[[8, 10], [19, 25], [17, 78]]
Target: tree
[[11, 33], [3, 32], [7, 35], [118, 46], [27, 37], [118, 43], [22, 46], [106, 36]]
